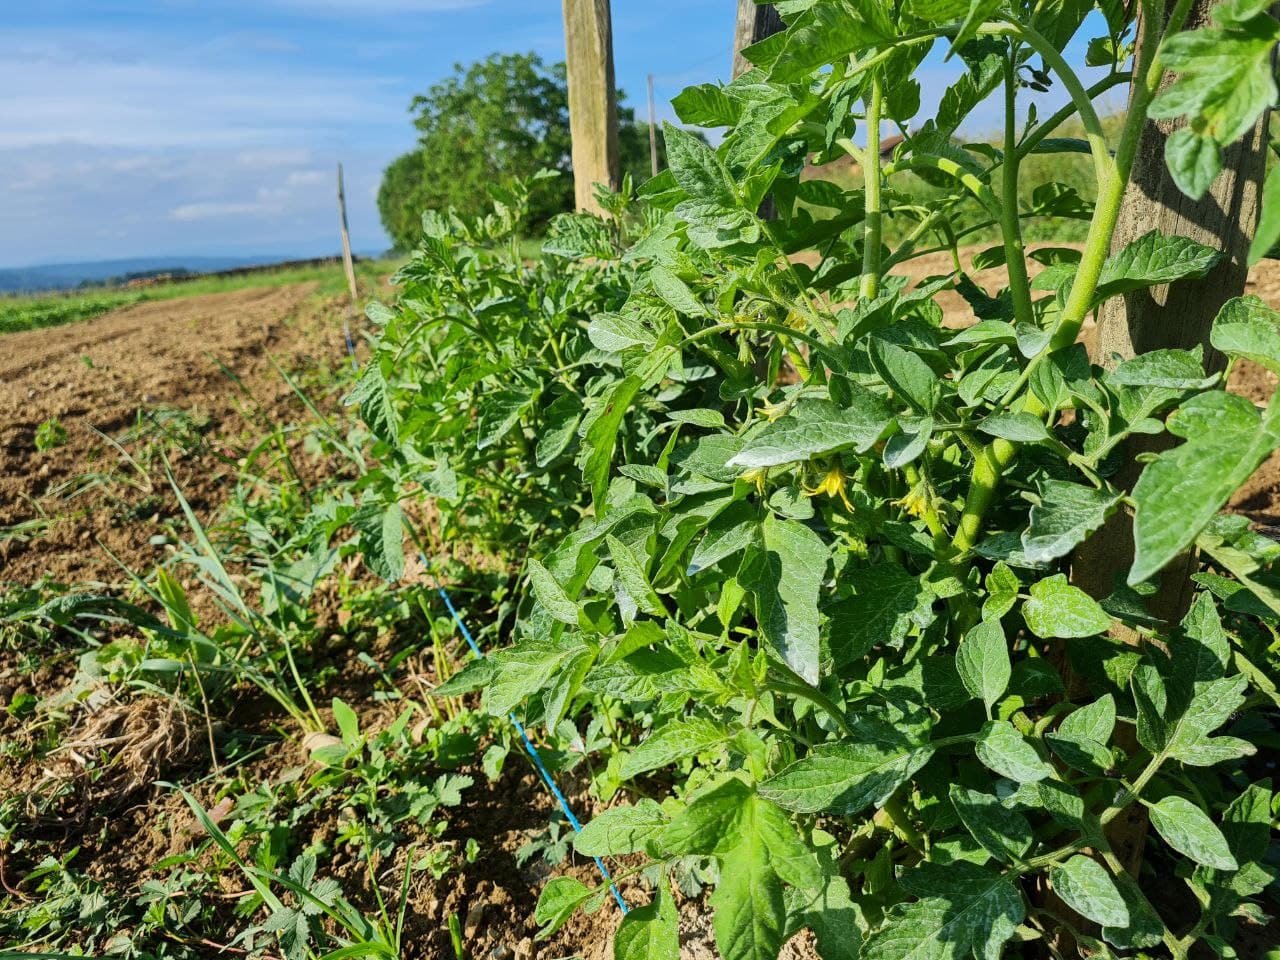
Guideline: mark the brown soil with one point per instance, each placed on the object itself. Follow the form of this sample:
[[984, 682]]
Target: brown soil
[[98, 375]]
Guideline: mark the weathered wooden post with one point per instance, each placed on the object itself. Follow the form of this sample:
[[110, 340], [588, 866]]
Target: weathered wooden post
[[349, 267], [755, 22], [593, 104], [1169, 316]]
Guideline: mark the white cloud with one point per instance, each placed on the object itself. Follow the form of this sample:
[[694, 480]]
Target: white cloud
[[346, 8], [213, 209]]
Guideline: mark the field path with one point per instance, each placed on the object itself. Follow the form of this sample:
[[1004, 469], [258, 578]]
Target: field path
[[99, 374]]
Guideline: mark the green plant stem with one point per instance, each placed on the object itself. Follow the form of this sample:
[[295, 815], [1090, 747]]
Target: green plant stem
[[872, 225], [1102, 163], [989, 467], [1014, 254], [1111, 188]]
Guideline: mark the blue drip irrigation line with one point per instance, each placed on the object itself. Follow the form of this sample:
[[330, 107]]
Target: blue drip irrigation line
[[515, 721], [524, 736]]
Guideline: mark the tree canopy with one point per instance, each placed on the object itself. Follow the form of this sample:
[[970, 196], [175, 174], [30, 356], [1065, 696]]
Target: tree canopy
[[498, 120]]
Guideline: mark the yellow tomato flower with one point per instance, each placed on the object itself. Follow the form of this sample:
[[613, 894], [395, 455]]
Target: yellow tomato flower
[[833, 485], [917, 501]]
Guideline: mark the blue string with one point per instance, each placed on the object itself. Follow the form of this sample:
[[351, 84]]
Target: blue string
[[528, 744], [515, 721]]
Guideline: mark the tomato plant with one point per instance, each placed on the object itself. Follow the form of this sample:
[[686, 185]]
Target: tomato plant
[[820, 546]]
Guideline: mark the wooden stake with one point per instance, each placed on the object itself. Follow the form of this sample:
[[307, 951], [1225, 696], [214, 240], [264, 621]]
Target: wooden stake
[[754, 23], [346, 242], [593, 105], [653, 131]]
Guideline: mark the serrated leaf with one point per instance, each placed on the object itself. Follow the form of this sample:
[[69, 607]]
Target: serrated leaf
[[672, 742], [846, 778], [889, 600], [1095, 720], [1153, 259], [784, 580], [909, 377], [1188, 829], [551, 595], [1003, 749], [750, 913], [559, 424], [727, 533], [1002, 832], [1057, 609], [966, 910], [499, 413], [620, 830], [1246, 327], [558, 901], [982, 659], [373, 397], [1002, 591], [710, 823], [521, 670], [696, 167], [651, 932], [816, 428], [1065, 516], [1015, 427], [675, 292], [828, 32], [615, 332], [634, 578], [1085, 886], [380, 532], [1182, 489], [602, 437]]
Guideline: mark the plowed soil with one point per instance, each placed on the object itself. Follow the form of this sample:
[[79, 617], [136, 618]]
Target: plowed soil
[[174, 355]]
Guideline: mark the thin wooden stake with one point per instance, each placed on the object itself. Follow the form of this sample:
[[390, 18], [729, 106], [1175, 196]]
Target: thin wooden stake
[[593, 104], [754, 22], [653, 131], [350, 269], [346, 242]]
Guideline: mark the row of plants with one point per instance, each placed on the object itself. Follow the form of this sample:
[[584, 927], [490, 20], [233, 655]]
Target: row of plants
[[766, 555], [804, 553]]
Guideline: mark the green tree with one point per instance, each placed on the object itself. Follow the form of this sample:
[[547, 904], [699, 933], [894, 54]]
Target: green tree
[[491, 123]]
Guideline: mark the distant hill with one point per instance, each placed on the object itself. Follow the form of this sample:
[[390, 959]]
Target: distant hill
[[68, 276]]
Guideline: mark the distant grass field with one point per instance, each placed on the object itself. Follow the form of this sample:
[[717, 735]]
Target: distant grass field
[[54, 309]]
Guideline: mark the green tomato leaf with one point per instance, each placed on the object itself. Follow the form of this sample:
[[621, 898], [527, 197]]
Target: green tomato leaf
[[829, 31], [784, 577], [671, 742], [500, 411], [816, 428], [1188, 829], [1003, 749], [697, 169], [1182, 489], [1057, 609], [551, 595], [983, 662], [1002, 591], [1246, 327], [373, 397], [966, 910], [750, 913], [1002, 832], [634, 578], [559, 901], [601, 437], [1064, 517], [1268, 234], [621, 830], [380, 536], [1085, 886], [1015, 427], [651, 932], [1152, 259], [846, 778]]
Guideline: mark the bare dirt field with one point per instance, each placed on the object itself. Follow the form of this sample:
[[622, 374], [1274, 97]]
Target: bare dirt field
[[97, 375]]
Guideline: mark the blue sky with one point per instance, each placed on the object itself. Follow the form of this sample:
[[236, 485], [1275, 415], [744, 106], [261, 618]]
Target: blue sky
[[192, 127]]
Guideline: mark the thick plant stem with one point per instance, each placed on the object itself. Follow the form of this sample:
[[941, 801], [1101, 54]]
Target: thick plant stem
[[1146, 80], [871, 230], [1014, 254], [989, 467]]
